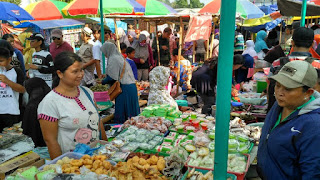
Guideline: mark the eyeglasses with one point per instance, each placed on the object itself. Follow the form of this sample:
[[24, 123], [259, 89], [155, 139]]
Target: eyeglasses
[[55, 38]]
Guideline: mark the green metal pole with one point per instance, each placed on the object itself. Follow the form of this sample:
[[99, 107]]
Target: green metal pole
[[102, 36], [225, 63], [303, 13]]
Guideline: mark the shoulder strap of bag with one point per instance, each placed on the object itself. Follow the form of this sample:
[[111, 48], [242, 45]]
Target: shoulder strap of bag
[[123, 69], [215, 47], [89, 97]]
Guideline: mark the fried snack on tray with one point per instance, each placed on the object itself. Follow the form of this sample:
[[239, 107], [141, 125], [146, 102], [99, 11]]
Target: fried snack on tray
[[139, 168]]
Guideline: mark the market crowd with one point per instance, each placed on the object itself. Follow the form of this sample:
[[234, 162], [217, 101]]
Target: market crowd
[[50, 94]]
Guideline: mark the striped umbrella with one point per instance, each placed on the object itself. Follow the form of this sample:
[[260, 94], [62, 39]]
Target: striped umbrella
[[154, 7], [60, 5], [44, 10], [244, 7], [82, 7]]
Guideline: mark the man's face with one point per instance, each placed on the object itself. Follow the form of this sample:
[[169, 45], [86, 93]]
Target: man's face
[[166, 34], [97, 35], [57, 40], [11, 41]]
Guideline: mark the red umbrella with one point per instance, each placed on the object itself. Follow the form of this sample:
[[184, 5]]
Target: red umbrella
[[83, 7], [317, 2], [44, 10]]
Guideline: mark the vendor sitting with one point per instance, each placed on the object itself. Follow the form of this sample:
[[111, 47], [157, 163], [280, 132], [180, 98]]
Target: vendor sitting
[[159, 78]]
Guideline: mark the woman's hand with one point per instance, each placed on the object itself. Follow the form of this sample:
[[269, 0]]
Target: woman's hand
[[32, 66], [184, 109]]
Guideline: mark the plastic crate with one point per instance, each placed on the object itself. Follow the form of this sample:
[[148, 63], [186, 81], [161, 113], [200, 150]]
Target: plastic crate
[[69, 155], [240, 176], [252, 98], [232, 176], [101, 96]]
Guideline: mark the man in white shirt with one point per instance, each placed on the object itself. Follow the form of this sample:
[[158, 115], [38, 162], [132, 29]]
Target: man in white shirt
[[97, 54]]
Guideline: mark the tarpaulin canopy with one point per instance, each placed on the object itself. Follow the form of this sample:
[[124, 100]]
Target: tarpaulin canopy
[[110, 23], [51, 24], [293, 8]]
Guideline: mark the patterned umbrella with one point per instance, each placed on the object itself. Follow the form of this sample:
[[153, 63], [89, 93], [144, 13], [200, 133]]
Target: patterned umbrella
[[12, 12], [44, 10], [60, 5], [82, 7], [154, 7], [244, 7]]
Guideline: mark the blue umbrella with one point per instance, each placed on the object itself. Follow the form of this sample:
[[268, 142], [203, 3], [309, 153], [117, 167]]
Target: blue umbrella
[[13, 12]]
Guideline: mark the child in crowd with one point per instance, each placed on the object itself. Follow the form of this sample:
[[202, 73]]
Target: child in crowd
[[123, 48], [11, 80], [42, 61], [130, 56]]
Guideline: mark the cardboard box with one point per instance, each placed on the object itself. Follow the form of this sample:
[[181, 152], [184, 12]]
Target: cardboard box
[[93, 144], [25, 160]]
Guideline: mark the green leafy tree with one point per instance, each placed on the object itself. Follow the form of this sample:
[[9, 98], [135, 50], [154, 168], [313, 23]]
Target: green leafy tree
[[180, 4], [196, 4], [17, 2], [185, 4]]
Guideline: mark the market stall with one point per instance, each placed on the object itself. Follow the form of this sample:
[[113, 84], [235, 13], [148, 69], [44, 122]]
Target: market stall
[[160, 143], [71, 29]]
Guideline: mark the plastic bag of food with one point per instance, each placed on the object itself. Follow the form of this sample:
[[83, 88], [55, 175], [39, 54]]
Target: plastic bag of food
[[131, 147], [120, 156], [153, 143], [155, 132], [130, 138], [201, 139]]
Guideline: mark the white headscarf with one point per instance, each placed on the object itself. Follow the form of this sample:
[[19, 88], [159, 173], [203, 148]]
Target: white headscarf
[[250, 49], [142, 52], [123, 38], [115, 64], [147, 35], [158, 81]]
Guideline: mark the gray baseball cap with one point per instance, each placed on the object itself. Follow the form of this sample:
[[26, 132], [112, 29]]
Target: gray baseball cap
[[297, 74]]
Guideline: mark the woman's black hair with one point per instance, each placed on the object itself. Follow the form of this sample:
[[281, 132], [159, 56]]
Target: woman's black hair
[[62, 62], [43, 45], [7, 45], [7, 36], [4, 53]]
